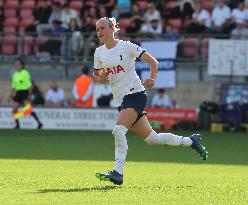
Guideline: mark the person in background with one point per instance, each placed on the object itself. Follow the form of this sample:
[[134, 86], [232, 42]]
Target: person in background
[[68, 14], [55, 16], [37, 96], [220, 17], [153, 29], [171, 34], [108, 5], [55, 96], [89, 33], [201, 21], [21, 92], [137, 15], [161, 99], [83, 89], [132, 29], [41, 15], [238, 15], [72, 41], [152, 13], [53, 45], [240, 31]]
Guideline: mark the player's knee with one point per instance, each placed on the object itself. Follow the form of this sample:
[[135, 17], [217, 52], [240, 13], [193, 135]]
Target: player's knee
[[119, 130], [152, 138], [119, 133]]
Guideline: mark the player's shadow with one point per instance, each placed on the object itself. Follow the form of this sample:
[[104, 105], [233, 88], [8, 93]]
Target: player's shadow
[[88, 189]]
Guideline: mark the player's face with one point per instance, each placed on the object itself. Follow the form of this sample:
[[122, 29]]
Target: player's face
[[103, 31]]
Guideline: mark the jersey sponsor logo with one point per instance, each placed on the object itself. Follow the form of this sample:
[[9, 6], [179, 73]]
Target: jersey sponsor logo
[[115, 70]]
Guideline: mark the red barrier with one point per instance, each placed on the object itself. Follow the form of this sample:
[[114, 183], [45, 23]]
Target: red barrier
[[169, 117]]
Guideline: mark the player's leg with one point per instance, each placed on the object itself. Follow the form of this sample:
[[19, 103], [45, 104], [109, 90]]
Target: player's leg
[[125, 120], [34, 115], [144, 130], [15, 107]]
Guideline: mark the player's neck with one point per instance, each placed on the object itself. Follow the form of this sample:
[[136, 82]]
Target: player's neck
[[111, 43]]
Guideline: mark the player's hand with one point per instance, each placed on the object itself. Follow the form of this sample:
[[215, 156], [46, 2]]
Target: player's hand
[[101, 77], [149, 83]]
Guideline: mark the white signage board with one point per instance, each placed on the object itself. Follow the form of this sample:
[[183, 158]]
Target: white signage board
[[63, 119]]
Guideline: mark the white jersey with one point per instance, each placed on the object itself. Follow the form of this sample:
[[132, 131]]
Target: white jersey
[[119, 63]]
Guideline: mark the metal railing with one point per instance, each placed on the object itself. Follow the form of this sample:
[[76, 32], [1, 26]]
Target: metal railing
[[80, 46]]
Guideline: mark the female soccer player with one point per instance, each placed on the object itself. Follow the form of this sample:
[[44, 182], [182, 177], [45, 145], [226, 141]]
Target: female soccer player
[[114, 62], [21, 91]]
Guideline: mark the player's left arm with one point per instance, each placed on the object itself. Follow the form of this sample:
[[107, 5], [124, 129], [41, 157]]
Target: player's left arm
[[149, 83]]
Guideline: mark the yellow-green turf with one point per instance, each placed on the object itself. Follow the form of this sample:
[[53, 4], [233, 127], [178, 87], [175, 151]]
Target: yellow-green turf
[[58, 167]]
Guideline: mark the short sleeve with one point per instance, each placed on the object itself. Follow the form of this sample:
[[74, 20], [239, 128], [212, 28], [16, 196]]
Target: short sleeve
[[97, 62], [135, 50]]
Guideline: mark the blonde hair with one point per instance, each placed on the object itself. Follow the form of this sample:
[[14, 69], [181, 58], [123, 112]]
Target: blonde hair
[[111, 22]]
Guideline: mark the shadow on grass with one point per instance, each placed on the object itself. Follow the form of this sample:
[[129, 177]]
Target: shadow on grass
[[223, 148], [108, 188], [104, 188]]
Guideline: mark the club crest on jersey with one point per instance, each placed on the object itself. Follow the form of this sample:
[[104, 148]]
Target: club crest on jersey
[[115, 70]]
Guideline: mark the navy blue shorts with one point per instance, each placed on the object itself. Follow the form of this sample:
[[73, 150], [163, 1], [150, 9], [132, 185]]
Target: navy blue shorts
[[137, 101]]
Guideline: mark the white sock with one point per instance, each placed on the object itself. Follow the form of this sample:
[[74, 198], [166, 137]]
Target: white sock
[[168, 139], [121, 147]]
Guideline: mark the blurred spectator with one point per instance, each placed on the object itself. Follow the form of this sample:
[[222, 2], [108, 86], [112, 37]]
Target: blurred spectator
[[55, 16], [84, 11], [184, 9], [89, 32], [152, 13], [201, 21], [170, 34], [72, 41], [161, 99], [137, 15], [90, 12], [220, 17], [240, 32], [88, 27], [37, 96], [67, 14], [132, 29], [107, 4], [83, 89], [41, 15], [124, 7], [53, 45], [153, 29], [55, 96], [238, 15]]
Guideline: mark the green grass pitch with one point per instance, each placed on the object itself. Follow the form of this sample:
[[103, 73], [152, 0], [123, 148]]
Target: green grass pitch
[[58, 167]]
